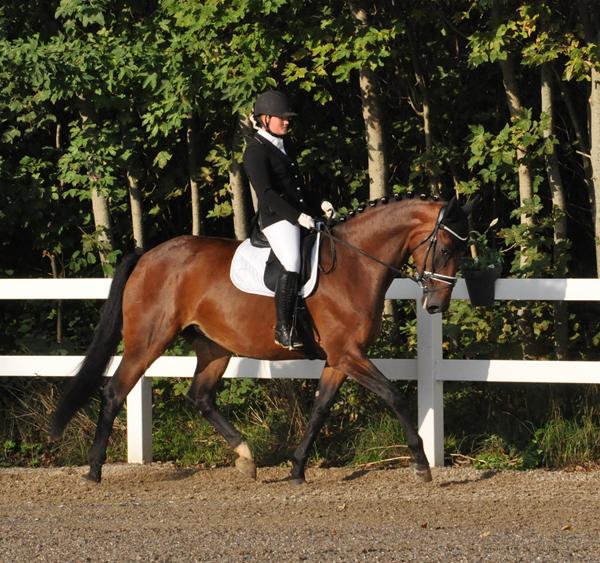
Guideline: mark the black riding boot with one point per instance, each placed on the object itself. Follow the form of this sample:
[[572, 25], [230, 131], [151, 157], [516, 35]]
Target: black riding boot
[[286, 294]]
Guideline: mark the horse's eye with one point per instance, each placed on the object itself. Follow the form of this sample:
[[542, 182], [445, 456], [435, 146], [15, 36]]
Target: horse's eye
[[446, 252]]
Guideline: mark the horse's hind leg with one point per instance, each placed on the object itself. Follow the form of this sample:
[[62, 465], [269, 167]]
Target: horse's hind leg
[[112, 399], [138, 356], [212, 363]]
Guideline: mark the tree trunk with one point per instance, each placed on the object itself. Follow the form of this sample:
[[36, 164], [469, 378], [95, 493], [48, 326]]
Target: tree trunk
[[52, 256], [588, 13], [373, 118], [513, 100], [594, 113], [137, 222], [581, 136], [511, 90], [374, 134], [103, 226], [192, 151], [239, 192], [100, 209], [561, 326], [435, 186]]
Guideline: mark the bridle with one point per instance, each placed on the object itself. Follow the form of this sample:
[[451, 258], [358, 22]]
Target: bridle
[[421, 277], [425, 275]]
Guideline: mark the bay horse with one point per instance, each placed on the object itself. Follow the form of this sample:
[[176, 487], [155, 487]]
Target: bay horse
[[183, 286]]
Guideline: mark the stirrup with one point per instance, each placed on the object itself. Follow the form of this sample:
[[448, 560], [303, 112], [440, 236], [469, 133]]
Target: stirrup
[[285, 339]]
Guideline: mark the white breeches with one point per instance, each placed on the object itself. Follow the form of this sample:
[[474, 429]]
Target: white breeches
[[284, 239]]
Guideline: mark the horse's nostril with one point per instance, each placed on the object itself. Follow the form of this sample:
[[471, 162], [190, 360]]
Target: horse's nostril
[[432, 309]]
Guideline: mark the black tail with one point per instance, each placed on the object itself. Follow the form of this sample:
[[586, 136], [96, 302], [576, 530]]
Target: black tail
[[104, 344]]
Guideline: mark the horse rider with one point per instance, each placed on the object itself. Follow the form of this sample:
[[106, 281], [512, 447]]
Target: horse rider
[[282, 206]]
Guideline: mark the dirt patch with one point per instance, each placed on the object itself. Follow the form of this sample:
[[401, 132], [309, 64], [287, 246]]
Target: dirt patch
[[160, 512]]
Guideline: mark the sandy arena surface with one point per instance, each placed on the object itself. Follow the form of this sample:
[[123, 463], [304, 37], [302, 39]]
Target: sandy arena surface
[[160, 512]]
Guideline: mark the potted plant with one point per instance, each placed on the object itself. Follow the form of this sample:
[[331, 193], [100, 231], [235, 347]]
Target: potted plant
[[482, 268]]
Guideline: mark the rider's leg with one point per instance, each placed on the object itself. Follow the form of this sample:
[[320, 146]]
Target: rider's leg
[[284, 238]]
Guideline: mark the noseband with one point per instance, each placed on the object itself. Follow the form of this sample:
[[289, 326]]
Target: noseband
[[424, 275]]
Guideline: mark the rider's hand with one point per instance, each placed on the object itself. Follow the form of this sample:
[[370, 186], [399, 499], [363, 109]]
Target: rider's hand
[[306, 221], [328, 209]]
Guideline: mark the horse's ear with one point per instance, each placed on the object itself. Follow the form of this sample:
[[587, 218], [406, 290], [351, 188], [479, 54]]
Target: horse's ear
[[455, 218], [450, 208], [471, 204]]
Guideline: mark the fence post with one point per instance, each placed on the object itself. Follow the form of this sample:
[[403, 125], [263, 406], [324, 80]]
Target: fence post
[[139, 422], [430, 391]]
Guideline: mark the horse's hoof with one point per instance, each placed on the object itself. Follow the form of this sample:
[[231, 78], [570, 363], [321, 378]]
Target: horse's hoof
[[423, 473], [298, 480], [246, 467], [93, 475]]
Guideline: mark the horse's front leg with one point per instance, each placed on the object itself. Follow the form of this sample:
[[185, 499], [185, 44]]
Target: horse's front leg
[[330, 382], [361, 369]]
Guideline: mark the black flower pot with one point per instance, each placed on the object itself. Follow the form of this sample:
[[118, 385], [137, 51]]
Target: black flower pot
[[481, 285]]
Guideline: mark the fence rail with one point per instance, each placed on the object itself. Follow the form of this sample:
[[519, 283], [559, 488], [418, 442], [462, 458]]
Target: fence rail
[[429, 368]]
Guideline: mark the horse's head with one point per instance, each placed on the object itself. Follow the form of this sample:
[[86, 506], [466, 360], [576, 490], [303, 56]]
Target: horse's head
[[437, 249]]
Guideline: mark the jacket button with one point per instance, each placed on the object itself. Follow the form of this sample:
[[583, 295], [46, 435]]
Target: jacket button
[[298, 189], [301, 200]]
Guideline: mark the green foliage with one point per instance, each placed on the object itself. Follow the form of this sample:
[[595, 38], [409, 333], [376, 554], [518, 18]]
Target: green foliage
[[483, 253]]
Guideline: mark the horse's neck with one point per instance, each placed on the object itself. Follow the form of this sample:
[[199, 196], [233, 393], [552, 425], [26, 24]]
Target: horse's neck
[[382, 232]]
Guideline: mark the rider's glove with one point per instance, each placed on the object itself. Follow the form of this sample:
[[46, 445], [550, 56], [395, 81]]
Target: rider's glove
[[306, 221], [328, 209]]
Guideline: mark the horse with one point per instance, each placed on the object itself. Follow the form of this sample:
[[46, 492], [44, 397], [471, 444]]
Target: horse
[[182, 286]]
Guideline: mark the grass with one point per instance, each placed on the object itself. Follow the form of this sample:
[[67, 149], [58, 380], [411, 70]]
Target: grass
[[569, 443], [273, 415]]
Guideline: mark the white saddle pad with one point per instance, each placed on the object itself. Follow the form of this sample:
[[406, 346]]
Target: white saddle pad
[[248, 269]]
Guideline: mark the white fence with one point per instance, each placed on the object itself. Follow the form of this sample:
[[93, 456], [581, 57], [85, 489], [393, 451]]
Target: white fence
[[429, 368]]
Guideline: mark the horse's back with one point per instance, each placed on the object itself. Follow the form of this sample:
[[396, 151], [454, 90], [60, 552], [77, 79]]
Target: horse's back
[[187, 249], [177, 272]]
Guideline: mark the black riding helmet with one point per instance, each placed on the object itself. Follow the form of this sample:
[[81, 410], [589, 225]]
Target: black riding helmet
[[273, 102]]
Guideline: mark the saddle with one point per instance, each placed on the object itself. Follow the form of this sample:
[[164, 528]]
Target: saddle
[[274, 269], [256, 269]]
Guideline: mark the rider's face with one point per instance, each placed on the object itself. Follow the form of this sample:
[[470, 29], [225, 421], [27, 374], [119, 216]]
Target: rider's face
[[279, 125]]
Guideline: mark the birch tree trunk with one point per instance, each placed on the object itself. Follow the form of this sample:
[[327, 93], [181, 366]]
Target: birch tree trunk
[[373, 118], [588, 13], [594, 129], [594, 113], [53, 261], [374, 134], [100, 209], [561, 326], [511, 90], [192, 151], [103, 225], [435, 187], [137, 215], [239, 191]]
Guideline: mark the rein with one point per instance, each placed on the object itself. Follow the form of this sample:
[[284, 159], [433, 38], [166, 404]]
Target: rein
[[419, 277]]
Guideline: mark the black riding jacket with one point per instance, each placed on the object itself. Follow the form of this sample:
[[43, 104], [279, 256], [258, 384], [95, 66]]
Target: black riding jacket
[[276, 181]]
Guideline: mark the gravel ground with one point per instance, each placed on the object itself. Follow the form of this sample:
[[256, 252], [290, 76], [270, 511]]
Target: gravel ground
[[159, 512]]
